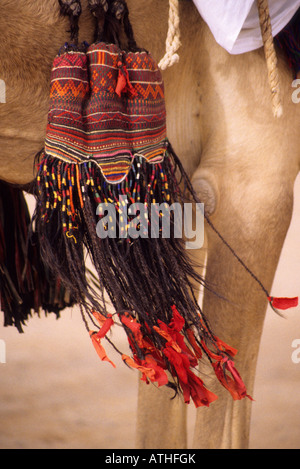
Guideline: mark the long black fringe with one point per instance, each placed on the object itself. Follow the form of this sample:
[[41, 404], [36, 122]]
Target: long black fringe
[[26, 284], [144, 277]]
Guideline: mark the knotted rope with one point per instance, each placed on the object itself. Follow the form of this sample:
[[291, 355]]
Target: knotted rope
[[270, 54], [173, 39], [173, 43]]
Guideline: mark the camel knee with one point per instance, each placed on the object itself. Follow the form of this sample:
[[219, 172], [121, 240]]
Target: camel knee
[[206, 188]]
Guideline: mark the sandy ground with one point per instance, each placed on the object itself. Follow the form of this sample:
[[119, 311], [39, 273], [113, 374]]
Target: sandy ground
[[55, 393]]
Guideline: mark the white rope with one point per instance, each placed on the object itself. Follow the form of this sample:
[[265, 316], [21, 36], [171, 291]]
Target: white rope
[[271, 56], [173, 39]]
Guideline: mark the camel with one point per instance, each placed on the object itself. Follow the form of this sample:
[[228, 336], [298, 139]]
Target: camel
[[243, 163]]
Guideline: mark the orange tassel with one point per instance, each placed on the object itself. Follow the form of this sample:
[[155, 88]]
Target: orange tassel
[[135, 328], [123, 84], [99, 348], [197, 350], [149, 369], [227, 348], [105, 323], [233, 384], [168, 338], [283, 303], [196, 390]]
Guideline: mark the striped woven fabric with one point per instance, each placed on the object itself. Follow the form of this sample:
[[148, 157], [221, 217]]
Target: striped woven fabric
[[106, 106]]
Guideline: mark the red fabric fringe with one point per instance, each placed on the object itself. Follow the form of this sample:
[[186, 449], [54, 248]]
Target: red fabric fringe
[[105, 326], [178, 354], [283, 303]]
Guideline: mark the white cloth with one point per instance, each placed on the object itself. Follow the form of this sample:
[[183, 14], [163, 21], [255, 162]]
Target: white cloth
[[235, 23]]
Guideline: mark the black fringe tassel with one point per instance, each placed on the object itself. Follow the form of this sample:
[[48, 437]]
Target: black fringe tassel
[[26, 285], [149, 280]]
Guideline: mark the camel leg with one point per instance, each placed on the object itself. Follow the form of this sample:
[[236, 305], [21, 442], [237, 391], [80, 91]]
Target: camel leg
[[254, 219], [162, 420], [250, 162]]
